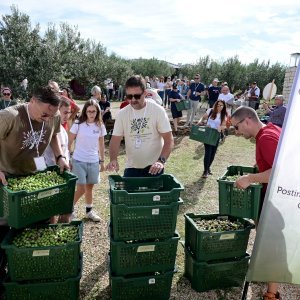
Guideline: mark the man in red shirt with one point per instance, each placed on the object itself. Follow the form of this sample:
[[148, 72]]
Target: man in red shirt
[[247, 124]]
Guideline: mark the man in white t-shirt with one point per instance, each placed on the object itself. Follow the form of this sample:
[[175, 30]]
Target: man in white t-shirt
[[227, 97], [147, 131], [152, 94]]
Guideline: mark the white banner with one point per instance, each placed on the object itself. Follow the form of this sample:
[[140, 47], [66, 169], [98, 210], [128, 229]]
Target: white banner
[[276, 252]]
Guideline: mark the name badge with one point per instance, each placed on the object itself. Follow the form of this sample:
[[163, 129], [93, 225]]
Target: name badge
[[138, 143], [40, 163]]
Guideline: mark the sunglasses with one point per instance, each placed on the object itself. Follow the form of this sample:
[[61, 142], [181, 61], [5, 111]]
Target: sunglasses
[[236, 127], [6, 94], [135, 96], [196, 78]]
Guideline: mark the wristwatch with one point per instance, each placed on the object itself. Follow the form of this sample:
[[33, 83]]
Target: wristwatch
[[162, 159], [59, 157]]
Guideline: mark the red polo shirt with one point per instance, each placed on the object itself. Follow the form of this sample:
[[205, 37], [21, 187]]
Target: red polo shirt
[[266, 145]]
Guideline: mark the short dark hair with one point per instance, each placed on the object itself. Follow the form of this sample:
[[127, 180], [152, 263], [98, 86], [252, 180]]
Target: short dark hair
[[46, 95], [136, 81], [64, 102], [245, 112]]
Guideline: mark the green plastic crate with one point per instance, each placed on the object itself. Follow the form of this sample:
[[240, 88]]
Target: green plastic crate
[[217, 274], [22, 208], [205, 134], [207, 245], [67, 289], [143, 222], [134, 191], [140, 257], [238, 202], [183, 105], [155, 286], [43, 262]]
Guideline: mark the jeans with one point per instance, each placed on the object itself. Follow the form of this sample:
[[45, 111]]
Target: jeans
[[134, 172], [209, 156]]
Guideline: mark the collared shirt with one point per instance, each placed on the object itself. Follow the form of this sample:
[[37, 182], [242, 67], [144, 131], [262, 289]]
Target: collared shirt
[[277, 115]]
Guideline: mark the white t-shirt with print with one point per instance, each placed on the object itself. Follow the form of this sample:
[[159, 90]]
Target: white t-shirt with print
[[213, 123], [87, 141], [141, 129], [63, 140]]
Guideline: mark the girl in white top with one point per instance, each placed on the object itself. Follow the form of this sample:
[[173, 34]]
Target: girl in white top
[[216, 118], [88, 156]]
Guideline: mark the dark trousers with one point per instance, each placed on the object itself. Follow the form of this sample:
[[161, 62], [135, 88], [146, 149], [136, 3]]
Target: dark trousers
[[133, 172], [167, 101], [209, 156]]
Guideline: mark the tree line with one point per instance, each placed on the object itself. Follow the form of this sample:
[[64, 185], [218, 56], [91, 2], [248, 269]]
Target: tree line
[[62, 54]]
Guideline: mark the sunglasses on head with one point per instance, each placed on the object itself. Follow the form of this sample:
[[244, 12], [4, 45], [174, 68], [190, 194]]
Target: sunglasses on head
[[135, 96], [6, 94]]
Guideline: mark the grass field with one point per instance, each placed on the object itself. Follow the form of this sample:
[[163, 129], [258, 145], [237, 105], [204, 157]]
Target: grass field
[[200, 196]]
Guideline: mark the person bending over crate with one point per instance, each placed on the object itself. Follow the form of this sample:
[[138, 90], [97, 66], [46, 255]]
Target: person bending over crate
[[247, 124], [25, 132], [147, 131]]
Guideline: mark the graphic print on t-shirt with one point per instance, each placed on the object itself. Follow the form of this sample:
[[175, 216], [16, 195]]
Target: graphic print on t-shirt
[[32, 139], [138, 125]]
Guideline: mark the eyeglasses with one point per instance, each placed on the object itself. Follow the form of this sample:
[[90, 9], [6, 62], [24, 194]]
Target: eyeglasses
[[91, 111], [6, 94], [236, 127], [135, 96]]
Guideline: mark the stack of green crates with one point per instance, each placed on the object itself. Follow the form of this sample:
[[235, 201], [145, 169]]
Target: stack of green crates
[[43, 272], [215, 260], [143, 239], [238, 202]]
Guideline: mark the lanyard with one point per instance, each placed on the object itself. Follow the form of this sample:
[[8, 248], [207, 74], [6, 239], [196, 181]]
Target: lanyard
[[142, 118], [196, 86], [36, 142], [5, 104]]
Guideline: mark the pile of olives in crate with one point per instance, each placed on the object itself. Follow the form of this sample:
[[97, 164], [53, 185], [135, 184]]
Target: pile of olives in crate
[[35, 182], [232, 177], [218, 225], [42, 237], [235, 177]]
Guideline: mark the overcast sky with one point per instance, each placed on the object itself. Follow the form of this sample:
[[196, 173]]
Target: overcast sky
[[178, 31]]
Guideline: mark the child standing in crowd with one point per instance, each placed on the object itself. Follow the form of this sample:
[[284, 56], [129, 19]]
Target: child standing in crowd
[[88, 157]]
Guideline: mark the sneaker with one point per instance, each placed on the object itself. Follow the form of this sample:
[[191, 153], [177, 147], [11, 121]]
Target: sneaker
[[204, 175], [209, 172], [93, 216]]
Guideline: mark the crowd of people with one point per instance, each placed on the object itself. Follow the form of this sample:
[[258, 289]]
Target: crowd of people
[[43, 131]]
